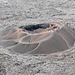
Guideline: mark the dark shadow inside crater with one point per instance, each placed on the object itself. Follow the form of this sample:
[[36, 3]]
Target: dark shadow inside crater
[[34, 27]]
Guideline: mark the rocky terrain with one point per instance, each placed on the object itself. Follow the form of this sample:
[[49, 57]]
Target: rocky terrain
[[24, 12]]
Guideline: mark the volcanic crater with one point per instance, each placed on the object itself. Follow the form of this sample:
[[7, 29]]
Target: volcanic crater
[[42, 38]]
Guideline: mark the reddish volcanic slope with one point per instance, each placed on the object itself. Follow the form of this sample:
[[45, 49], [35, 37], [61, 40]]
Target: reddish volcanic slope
[[43, 38]]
